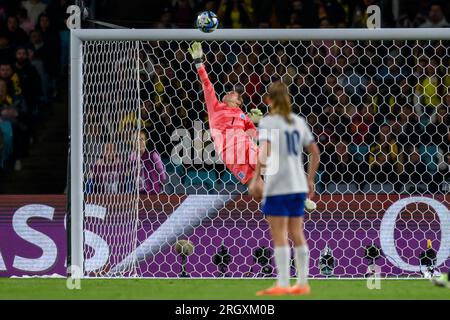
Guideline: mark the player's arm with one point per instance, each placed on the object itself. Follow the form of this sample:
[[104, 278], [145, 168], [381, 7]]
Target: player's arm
[[254, 116], [264, 153], [196, 52], [314, 162], [250, 128]]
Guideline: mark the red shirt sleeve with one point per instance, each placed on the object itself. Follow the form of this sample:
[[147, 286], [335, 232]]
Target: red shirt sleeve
[[208, 89]]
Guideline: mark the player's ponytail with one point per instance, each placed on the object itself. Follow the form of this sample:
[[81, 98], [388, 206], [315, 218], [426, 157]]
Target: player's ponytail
[[281, 101]]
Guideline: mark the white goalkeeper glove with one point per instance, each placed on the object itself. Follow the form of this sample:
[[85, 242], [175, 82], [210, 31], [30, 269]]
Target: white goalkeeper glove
[[310, 205], [255, 115], [196, 52]]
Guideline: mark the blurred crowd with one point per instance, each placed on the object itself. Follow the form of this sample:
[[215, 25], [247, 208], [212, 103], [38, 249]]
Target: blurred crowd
[[303, 13], [34, 48]]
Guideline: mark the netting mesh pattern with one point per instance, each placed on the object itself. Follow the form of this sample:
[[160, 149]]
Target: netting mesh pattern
[[378, 110], [111, 163]]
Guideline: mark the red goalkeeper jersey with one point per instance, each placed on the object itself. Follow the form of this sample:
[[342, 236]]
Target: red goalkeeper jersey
[[222, 117], [230, 129]]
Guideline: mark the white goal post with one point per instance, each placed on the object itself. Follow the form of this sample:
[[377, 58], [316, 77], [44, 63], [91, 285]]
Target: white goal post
[[120, 231]]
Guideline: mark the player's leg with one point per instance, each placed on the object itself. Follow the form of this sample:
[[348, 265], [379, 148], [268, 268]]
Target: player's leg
[[278, 224], [301, 250], [282, 251], [259, 185], [301, 255]]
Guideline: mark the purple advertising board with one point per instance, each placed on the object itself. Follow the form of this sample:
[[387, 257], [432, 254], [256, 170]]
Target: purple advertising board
[[33, 237]]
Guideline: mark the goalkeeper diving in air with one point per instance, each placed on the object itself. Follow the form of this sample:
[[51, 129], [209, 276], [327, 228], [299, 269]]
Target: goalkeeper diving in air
[[231, 129]]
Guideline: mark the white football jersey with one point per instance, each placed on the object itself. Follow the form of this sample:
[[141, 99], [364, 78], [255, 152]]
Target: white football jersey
[[285, 172]]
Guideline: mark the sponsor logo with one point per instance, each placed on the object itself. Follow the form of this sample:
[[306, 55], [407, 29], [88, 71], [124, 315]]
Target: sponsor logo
[[33, 240]]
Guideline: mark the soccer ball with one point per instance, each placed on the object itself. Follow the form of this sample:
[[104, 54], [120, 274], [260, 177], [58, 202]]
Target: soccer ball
[[207, 21]]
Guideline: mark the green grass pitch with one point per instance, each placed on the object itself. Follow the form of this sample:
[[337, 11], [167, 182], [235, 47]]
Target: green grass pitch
[[229, 289]]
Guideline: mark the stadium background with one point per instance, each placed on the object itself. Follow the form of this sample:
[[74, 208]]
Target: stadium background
[[34, 108]]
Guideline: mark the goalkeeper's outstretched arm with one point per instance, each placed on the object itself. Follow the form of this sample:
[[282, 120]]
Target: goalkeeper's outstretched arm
[[196, 52]]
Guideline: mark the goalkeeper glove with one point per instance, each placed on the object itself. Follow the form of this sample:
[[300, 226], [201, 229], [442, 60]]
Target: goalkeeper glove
[[196, 52], [255, 115]]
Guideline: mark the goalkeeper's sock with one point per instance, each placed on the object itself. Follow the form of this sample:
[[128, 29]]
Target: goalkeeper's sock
[[302, 263], [282, 255]]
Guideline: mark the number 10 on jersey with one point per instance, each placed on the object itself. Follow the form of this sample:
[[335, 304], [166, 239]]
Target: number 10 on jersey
[[292, 142]]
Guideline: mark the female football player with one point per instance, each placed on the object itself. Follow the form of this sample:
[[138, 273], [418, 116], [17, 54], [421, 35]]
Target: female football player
[[282, 137], [231, 129]]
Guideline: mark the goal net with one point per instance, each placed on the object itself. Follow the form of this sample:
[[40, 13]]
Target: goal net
[[155, 199]]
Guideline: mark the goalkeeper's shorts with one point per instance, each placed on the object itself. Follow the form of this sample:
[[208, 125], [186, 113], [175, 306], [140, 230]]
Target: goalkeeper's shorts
[[286, 205], [244, 163], [243, 172]]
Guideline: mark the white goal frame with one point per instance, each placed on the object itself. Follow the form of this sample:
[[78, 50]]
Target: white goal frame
[[76, 84]]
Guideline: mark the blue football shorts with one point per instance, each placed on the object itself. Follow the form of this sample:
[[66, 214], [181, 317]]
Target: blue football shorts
[[286, 205]]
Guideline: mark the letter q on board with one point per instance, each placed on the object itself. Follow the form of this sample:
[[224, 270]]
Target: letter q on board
[[387, 231]]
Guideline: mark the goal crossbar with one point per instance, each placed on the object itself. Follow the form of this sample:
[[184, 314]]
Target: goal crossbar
[[263, 34]]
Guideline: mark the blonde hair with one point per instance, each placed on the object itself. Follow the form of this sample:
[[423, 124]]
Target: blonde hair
[[241, 100], [281, 101]]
